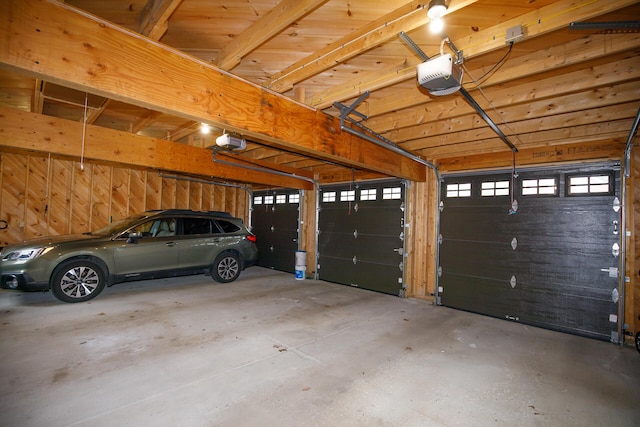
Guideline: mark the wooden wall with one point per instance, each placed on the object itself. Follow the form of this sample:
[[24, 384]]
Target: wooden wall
[[421, 238], [43, 196], [632, 293]]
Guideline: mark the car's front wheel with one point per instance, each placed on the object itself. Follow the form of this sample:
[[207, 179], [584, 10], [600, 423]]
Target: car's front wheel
[[77, 281], [225, 268]]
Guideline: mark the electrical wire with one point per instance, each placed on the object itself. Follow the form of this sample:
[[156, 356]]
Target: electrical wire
[[484, 95], [493, 69]]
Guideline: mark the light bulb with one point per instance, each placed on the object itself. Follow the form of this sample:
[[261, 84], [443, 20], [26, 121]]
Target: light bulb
[[436, 25]]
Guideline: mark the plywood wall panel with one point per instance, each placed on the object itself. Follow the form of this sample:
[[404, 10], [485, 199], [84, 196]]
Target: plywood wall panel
[[195, 196], [137, 191], [42, 196], [230, 200], [36, 210], [219, 195], [207, 197], [100, 196], [81, 202], [168, 199], [119, 193], [153, 192], [14, 175], [181, 193], [60, 197]]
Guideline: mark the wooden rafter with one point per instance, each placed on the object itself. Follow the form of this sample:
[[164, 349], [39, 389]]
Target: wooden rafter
[[544, 20], [154, 18], [37, 132], [37, 101], [267, 26], [405, 18], [78, 51]]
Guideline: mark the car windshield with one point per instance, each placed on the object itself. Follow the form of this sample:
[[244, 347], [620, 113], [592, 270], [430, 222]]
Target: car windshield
[[116, 226]]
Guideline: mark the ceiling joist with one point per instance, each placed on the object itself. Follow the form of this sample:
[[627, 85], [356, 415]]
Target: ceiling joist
[[83, 52]]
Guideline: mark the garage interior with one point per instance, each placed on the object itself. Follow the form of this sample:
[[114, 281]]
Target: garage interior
[[469, 234]]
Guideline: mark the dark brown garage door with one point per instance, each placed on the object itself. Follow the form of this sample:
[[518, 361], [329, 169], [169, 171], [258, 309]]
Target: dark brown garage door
[[361, 236], [546, 254], [274, 221]]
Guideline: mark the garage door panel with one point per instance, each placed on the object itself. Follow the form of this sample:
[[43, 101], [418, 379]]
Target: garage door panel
[[337, 270], [274, 221], [550, 262], [482, 226], [486, 259], [489, 294], [361, 240]]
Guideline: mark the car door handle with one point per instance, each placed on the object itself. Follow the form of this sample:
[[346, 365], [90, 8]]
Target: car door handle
[[170, 244]]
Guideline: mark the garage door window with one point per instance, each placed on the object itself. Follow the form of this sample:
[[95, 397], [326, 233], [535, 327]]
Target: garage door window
[[540, 187], [347, 196], [329, 197], [257, 200], [281, 199], [368, 194], [590, 184], [459, 190], [494, 188], [294, 198], [392, 193]]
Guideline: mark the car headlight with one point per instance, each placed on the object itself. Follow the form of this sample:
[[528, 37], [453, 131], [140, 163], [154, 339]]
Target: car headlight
[[26, 254]]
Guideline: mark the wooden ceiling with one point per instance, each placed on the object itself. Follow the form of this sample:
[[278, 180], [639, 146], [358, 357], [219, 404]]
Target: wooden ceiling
[[557, 93]]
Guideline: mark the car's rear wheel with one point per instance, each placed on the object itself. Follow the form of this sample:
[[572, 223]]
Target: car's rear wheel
[[225, 268], [77, 281]]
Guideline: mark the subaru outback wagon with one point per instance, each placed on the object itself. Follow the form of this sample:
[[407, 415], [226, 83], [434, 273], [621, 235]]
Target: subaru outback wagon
[[153, 244]]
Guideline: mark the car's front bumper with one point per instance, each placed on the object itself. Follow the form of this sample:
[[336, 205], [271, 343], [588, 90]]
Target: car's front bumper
[[21, 282]]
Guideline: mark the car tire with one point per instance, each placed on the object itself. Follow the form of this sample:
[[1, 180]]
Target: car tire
[[77, 281], [225, 268]]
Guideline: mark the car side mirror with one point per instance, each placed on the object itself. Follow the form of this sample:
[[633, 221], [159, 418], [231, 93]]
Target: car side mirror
[[133, 237]]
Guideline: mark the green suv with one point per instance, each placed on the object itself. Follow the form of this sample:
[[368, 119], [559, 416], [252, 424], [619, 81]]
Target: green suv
[[153, 244]]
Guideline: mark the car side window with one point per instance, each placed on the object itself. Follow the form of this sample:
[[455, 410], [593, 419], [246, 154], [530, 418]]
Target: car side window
[[146, 229], [227, 227], [165, 227], [196, 225]]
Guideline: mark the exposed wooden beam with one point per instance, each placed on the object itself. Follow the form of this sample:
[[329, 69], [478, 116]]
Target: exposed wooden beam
[[154, 18], [37, 101], [144, 121], [594, 150], [267, 26], [266, 165], [473, 128], [95, 113], [555, 16], [81, 51], [37, 132], [569, 135], [405, 18]]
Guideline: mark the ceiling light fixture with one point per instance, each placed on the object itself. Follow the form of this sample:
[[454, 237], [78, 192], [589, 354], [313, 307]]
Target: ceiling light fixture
[[437, 9], [205, 128]]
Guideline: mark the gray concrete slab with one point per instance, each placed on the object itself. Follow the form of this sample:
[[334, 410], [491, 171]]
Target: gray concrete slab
[[270, 350]]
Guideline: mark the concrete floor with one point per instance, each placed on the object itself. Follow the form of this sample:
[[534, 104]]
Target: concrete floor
[[268, 350]]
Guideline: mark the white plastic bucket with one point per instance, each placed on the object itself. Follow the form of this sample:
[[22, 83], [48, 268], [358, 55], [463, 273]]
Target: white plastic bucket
[[301, 258], [301, 264]]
